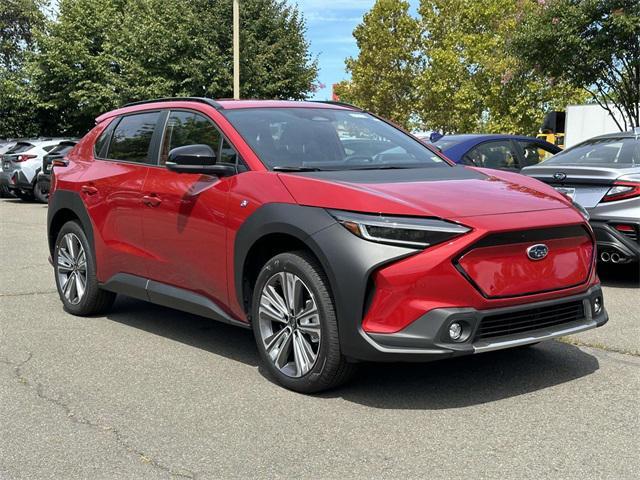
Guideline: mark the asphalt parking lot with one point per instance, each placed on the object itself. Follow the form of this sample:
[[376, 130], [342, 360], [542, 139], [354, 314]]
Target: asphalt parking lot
[[149, 392]]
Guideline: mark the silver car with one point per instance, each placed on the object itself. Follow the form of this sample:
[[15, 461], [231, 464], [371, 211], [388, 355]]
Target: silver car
[[602, 175]]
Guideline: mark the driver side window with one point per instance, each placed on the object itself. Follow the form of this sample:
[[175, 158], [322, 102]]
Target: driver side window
[[188, 128]]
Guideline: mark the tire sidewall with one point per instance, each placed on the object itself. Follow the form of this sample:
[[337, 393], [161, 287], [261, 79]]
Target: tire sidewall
[[37, 192], [298, 266], [91, 288]]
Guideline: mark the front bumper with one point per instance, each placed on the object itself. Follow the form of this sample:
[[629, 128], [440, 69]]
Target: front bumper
[[394, 303], [427, 338]]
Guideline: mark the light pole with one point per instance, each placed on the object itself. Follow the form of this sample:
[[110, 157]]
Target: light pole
[[236, 49]]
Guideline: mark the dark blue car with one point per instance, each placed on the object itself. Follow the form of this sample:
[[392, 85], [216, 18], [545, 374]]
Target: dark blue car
[[504, 152]]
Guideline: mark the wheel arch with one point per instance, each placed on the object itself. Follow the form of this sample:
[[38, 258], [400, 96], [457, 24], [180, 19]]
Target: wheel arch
[[64, 206], [269, 231]]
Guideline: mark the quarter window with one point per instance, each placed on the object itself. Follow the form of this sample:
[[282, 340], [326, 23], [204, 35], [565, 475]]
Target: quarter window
[[132, 138], [188, 128]]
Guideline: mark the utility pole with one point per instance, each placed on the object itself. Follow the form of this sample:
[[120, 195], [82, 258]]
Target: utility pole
[[236, 49]]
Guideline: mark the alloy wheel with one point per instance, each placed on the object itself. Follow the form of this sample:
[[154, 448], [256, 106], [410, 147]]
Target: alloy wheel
[[289, 323], [71, 268]]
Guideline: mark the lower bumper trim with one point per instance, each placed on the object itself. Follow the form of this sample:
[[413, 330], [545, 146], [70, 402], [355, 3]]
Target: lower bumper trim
[[534, 337], [427, 337]]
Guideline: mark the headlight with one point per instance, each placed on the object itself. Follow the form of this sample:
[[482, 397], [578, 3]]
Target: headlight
[[404, 231]]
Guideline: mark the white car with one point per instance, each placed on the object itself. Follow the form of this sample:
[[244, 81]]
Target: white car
[[21, 165]]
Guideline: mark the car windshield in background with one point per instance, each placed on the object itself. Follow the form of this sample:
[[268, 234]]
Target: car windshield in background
[[20, 147], [608, 152], [328, 139], [449, 141]]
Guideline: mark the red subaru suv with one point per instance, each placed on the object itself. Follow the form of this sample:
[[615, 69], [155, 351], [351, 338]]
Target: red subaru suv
[[334, 235]]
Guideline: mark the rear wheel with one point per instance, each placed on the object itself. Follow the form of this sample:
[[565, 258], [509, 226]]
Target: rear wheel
[[295, 325], [75, 273], [41, 191]]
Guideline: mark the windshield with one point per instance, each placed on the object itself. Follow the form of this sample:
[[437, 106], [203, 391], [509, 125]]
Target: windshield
[[608, 152], [446, 141], [328, 139]]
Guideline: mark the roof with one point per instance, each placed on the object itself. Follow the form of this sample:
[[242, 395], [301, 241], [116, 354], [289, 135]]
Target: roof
[[224, 104], [463, 137], [628, 134]]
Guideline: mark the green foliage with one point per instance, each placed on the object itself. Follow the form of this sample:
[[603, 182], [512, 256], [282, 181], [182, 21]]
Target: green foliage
[[592, 44], [471, 82], [18, 19], [99, 54], [454, 72], [383, 74]]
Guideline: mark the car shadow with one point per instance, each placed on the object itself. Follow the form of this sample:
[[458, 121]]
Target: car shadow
[[620, 276], [446, 384], [468, 381]]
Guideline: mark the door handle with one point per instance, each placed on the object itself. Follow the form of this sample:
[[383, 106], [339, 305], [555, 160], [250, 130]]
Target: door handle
[[88, 190], [151, 200]]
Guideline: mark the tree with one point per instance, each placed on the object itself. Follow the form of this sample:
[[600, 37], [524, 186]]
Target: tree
[[383, 74], [470, 81], [592, 44], [18, 19], [99, 54]]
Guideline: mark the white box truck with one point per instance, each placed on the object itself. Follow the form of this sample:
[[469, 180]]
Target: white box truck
[[583, 122]]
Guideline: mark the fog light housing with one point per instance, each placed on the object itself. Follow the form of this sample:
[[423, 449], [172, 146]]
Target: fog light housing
[[597, 305], [455, 332]]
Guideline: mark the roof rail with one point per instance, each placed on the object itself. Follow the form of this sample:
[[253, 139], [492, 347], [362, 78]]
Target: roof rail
[[341, 104], [208, 101]]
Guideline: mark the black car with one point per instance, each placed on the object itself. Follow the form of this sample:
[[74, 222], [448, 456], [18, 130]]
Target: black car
[[43, 183]]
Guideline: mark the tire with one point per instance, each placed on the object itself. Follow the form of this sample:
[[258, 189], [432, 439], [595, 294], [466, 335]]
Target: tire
[[67, 261], [24, 196], [41, 191], [329, 368]]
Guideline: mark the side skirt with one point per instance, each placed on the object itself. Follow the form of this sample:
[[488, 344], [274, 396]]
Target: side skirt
[[168, 296]]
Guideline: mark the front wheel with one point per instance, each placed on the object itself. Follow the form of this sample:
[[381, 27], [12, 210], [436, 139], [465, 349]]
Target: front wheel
[[295, 325], [75, 273]]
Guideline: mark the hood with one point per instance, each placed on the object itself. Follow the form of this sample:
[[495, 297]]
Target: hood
[[444, 192]]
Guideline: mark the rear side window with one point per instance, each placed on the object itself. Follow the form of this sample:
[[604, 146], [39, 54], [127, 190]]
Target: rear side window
[[100, 147], [498, 154], [188, 128], [132, 138], [20, 147]]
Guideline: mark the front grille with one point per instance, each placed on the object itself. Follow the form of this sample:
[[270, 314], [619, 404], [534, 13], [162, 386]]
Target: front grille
[[526, 320]]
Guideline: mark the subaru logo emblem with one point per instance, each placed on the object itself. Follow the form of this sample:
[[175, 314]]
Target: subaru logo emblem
[[537, 252], [560, 176]]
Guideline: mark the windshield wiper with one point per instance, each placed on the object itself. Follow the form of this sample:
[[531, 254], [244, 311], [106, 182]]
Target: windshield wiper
[[384, 167], [291, 168]]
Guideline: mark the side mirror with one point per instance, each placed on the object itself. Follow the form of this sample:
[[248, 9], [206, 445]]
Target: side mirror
[[197, 159]]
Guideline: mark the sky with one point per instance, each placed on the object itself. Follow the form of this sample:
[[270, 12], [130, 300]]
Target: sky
[[330, 24]]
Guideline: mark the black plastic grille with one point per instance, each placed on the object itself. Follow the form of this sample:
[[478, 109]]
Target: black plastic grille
[[532, 319]]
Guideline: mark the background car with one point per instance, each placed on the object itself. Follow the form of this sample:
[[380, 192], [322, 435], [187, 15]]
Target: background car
[[43, 182], [603, 176], [21, 165], [503, 152], [5, 145]]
